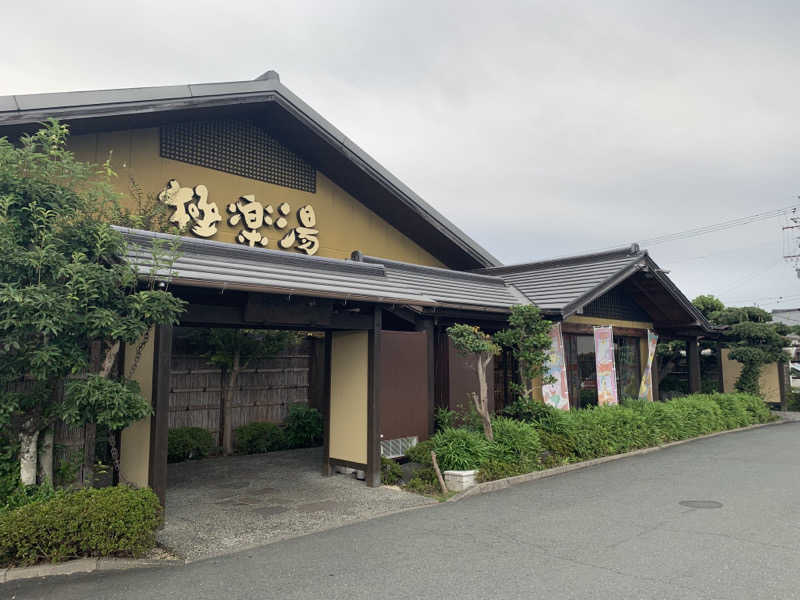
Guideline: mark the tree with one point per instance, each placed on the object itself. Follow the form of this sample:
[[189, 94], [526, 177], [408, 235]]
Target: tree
[[528, 338], [64, 286], [471, 341], [233, 350], [752, 337]]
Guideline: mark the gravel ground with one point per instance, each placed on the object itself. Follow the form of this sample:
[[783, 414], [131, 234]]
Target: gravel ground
[[222, 505]]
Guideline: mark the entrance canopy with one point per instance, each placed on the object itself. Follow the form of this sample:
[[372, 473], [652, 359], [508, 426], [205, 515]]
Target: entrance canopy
[[209, 264]]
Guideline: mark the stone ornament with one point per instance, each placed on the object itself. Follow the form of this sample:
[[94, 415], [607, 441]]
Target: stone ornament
[[191, 206]]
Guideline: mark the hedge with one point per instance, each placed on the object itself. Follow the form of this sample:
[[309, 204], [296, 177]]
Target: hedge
[[185, 443], [532, 435], [112, 521]]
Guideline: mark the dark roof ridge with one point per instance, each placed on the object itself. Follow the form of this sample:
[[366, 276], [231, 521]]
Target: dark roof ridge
[[238, 251], [357, 257], [631, 251]]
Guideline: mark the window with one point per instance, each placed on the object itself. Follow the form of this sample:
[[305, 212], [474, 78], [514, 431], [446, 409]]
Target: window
[[582, 374]]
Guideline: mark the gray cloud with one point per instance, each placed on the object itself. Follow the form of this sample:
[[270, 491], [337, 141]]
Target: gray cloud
[[540, 128]]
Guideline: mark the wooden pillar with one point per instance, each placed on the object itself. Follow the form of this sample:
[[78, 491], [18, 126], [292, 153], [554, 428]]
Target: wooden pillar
[[427, 327], [327, 470], [317, 376], [159, 423], [720, 371], [784, 384], [693, 360], [654, 377], [373, 474]]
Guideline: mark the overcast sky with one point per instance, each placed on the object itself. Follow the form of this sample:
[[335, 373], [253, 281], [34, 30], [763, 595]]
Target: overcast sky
[[540, 128]]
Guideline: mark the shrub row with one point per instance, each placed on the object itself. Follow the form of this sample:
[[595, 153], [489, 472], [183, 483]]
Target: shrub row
[[532, 435], [113, 521], [303, 428]]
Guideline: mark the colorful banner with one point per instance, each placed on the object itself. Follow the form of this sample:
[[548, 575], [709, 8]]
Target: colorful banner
[[556, 393], [604, 362], [646, 388]]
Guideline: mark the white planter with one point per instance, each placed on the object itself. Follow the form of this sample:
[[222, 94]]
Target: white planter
[[457, 481]]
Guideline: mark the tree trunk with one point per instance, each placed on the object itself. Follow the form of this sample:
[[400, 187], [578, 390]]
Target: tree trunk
[[28, 454], [227, 436], [482, 400], [664, 370], [46, 457], [89, 439]]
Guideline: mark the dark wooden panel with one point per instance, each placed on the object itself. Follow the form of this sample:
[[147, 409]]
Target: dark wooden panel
[[464, 380], [405, 395]]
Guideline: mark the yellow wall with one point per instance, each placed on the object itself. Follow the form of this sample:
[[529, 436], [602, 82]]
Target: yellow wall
[[344, 223], [134, 456], [768, 382], [349, 389]]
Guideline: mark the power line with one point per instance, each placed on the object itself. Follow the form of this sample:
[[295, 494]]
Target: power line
[[706, 229]]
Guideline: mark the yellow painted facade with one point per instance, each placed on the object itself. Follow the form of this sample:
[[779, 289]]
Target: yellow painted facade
[[349, 390], [134, 456], [768, 382], [343, 222]]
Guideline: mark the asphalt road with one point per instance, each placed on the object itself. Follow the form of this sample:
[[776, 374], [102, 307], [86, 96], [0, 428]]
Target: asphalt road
[[616, 530]]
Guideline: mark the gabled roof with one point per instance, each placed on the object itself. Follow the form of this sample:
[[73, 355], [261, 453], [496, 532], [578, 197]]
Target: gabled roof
[[220, 265], [563, 286], [286, 116]]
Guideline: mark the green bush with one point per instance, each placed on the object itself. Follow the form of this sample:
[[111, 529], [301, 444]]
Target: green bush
[[390, 471], [460, 449], [756, 408], [424, 481], [515, 443], [27, 494], [733, 410], [112, 521], [185, 443], [304, 427], [421, 453], [495, 468], [257, 438]]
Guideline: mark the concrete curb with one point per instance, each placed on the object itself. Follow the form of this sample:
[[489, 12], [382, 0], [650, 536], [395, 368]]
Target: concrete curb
[[83, 565], [500, 484]]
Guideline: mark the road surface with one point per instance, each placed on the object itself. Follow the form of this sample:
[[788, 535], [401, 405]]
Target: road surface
[[616, 531]]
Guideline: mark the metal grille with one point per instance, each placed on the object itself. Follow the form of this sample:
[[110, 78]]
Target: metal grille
[[616, 304], [238, 147], [397, 447]]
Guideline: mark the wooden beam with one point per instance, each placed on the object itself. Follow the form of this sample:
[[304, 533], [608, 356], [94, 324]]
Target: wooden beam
[[584, 329], [693, 356], [373, 402], [159, 422]]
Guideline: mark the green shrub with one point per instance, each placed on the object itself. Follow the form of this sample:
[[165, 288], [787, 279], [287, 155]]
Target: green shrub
[[112, 521], [27, 494], [257, 438], [495, 468], [303, 426], [606, 430], [460, 449], [9, 468], [733, 410], [390, 471], [515, 443], [185, 443], [421, 453], [424, 481], [557, 448], [444, 418], [756, 408]]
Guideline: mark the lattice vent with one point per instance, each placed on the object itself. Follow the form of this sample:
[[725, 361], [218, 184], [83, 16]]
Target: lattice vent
[[238, 147], [397, 447]]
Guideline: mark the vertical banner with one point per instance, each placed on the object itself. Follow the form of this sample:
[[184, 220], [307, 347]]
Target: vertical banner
[[604, 362], [557, 393], [646, 388]]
